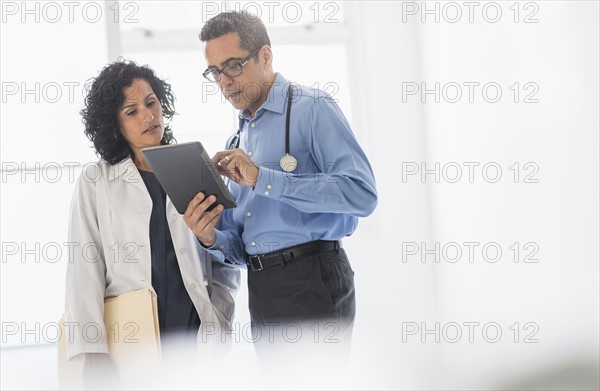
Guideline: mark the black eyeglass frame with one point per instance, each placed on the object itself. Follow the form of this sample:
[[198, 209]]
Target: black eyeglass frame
[[239, 65]]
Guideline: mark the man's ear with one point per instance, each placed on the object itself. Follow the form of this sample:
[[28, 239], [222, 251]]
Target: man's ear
[[266, 57]]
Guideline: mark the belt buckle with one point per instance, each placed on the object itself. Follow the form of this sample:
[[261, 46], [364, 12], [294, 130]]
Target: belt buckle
[[260, 265]]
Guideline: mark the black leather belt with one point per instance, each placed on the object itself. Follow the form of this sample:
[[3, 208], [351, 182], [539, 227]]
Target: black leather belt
[[259, 262]]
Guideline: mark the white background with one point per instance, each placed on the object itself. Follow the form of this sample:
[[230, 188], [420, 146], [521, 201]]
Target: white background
[[374, 54]]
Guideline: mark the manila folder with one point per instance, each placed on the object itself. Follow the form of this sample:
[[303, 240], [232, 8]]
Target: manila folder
[[133, 339]]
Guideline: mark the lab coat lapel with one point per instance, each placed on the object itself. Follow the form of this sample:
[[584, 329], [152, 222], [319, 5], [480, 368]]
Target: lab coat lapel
[[129, 221]]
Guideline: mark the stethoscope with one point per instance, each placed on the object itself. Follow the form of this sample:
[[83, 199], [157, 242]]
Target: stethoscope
[[288, 163]]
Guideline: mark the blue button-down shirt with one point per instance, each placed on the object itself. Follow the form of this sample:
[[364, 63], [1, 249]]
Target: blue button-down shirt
[[332, 186]]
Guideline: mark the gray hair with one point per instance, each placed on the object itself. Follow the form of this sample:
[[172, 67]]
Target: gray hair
[[249, 28]]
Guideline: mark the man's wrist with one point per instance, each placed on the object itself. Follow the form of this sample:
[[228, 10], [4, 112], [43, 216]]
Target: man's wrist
[[205, 245], [253, 184]]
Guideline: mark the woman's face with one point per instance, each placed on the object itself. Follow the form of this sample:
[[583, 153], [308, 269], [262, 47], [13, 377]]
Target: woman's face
[[141, 116]]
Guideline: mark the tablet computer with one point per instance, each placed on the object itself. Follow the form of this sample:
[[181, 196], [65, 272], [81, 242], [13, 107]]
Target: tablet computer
[[184, 170]]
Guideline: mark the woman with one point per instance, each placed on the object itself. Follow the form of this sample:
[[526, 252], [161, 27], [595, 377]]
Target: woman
[[130, 234]]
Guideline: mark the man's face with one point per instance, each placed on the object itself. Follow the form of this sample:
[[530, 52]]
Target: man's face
[[246, 91]]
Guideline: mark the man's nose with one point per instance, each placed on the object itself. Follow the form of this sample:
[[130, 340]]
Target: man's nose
[[225, 81]]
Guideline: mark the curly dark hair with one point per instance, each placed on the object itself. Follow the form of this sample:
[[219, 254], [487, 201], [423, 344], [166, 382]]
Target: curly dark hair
[[104, 100], [249, 28]]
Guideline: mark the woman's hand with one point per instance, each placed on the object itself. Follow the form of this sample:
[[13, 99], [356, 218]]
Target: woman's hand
[[237, 166], [99, 371], [201, 222]]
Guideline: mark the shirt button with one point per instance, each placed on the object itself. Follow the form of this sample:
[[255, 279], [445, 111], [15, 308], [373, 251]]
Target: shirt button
[[182, 251], [267, 193], [173, 217], [269, 187], [253, 244], [248, 214], [222, 246], [193, 286], [205, 283], [249, 153], [252, 125]]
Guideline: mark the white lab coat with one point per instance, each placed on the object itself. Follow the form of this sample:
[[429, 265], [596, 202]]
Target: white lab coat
[[110, 242]]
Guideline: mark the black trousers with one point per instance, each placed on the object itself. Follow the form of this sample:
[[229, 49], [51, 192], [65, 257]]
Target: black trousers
[[307, 301]]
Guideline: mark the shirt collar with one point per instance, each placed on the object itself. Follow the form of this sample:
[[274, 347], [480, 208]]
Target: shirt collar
[[275, 101]]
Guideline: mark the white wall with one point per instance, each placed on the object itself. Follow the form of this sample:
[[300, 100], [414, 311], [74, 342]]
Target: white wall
[[555, 300], [390, 292], [559, 213]]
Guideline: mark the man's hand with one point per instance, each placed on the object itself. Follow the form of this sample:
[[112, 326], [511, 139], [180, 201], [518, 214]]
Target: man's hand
[[237, 166], [201, 222]]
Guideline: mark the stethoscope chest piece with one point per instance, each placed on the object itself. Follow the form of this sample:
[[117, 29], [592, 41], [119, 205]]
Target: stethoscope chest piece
[[288, 163]]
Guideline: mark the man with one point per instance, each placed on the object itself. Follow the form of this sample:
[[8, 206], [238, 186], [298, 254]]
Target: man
[[296, 199]]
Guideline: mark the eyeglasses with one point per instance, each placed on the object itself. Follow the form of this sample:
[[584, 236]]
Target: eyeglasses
[[213, 74]]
